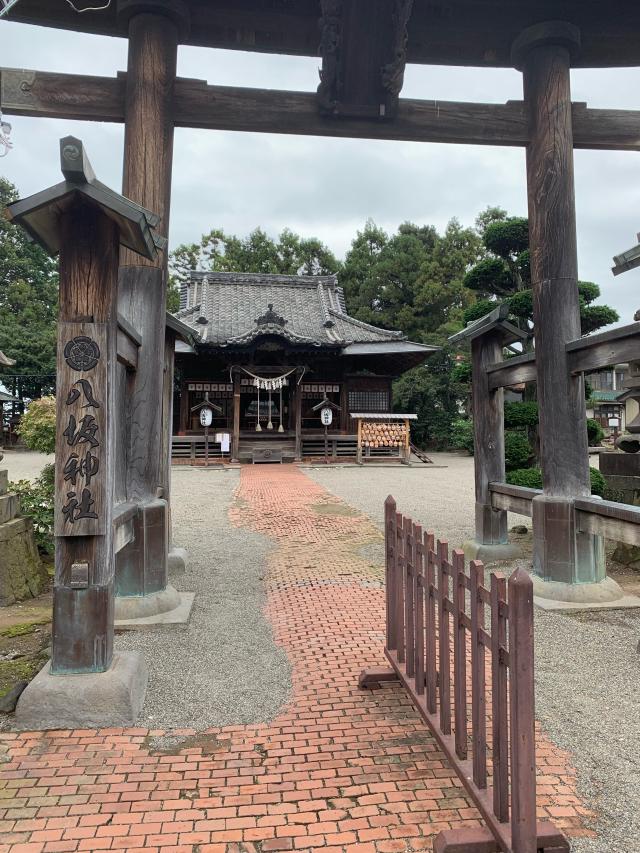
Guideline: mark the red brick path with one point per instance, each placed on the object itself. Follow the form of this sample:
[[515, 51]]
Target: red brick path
[[339, 770]]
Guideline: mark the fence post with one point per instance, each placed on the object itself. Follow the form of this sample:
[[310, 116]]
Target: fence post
[[460, 654], [444, 644], [409, 602], [431, 679], [478, 679], [418, 600], [499, 712], [390, 574], [399, 586], [522, 722]]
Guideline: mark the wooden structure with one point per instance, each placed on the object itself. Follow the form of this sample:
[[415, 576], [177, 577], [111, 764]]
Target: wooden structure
[[86, 223], [383, 435], [568, 527], [438, 646], [268, 349]]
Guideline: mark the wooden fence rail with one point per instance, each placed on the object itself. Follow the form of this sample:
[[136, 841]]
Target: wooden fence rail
[[444, 626]]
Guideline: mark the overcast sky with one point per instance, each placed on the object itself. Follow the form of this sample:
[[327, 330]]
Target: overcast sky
[[329, 187]]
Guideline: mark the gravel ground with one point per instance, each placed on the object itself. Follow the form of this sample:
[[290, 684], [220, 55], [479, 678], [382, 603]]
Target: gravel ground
[[24, 464], [587, 665], [440, 498], [224, 668]]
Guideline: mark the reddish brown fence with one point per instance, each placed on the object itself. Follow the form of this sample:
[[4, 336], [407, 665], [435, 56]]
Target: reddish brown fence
[[445, 629]]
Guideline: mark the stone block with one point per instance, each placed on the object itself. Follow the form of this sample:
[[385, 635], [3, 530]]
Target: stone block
[[9, 507], [22, 575], [4, 481], [561, 553], [92, 700]]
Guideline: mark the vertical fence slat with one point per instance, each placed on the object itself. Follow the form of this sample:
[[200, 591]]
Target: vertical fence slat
[[460, 655], [523, 759], [499, 722], [409, 601], [418, 597], [399, 586], [444, 639], [478, 686], [431, 679], [390, 568]]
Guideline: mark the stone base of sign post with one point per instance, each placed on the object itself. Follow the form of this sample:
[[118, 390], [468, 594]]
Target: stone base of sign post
[[111, 698]]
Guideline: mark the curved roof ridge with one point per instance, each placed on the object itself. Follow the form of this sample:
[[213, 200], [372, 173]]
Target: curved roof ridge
[[260, 277], [361, 324]]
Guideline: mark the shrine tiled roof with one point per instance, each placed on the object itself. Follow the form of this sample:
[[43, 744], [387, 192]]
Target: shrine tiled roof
[[233, 309]]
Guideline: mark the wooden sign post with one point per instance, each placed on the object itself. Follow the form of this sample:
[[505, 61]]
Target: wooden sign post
[[86, 223]]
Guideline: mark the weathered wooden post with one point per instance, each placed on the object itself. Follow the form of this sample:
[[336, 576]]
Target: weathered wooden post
[[488, 336], [562, 556], [155, 28], [85, 684]]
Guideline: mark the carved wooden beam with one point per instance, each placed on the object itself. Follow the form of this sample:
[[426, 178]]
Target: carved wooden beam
[[585, 355], [75, 96]]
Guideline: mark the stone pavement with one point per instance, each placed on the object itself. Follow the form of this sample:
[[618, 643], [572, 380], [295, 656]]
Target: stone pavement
[[339, 770]]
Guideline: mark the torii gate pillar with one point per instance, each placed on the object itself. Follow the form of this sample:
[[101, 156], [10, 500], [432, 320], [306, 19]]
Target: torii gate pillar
[[564, 559], [155, 29]]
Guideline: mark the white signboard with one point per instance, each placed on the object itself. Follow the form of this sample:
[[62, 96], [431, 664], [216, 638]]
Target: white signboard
[[326, 416], [614, 422], [206, 416]]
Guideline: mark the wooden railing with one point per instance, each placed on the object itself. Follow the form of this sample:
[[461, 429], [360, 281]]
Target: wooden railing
[[445, 630]]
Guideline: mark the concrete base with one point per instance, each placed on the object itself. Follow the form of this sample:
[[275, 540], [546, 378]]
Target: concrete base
[[141, 606], [474, 550], [94, 700], [552, 595], [180, 615], [177, 561]]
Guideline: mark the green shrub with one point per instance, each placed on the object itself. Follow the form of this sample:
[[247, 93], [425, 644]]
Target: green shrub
[[532, 479], [598, 482], [517, 450], [520, 414], [529, 477], [36, 502], [462, 435], [595, 433], [38, 425]]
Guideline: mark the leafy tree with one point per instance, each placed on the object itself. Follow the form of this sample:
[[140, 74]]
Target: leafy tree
[[504, 275], [290, 254], [28, 306], [38, 425]]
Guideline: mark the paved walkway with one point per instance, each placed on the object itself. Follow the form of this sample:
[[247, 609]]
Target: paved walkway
[[338, 770]]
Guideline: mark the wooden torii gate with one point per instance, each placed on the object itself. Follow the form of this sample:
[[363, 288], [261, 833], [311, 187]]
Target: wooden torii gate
[[364, 46]]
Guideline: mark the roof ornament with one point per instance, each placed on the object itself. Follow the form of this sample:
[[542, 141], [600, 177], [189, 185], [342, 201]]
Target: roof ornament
[[271, 318]]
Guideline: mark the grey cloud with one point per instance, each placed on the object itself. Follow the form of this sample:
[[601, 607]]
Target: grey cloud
[[328, 187]]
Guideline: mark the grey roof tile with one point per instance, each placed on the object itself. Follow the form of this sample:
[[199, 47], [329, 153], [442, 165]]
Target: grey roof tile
[[312, 306]]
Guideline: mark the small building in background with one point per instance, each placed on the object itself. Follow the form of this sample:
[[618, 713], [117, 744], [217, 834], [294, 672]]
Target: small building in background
[[267, 349], [610, 404]]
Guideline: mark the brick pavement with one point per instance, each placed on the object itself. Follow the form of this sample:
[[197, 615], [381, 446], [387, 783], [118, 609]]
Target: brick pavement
[[339, 770]]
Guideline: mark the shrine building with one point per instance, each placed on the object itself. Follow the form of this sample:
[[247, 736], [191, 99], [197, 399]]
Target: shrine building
[[266, 350]]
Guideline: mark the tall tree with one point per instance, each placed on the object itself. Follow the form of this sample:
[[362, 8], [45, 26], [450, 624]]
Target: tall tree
[[504, 275], [290, 254], [414, 281], [28, 306]]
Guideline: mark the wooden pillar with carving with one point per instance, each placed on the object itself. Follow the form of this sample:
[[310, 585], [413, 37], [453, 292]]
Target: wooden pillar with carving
[[86, 223], [544, 52], [154, 31]]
